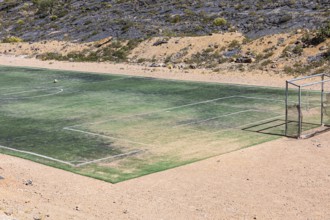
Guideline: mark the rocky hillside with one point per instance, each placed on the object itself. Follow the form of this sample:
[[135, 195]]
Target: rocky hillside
[[78, 20]]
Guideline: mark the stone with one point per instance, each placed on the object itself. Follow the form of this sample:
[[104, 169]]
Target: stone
[[245, 59], [193, 66], [28, 182], [160, 42], [323, 48]]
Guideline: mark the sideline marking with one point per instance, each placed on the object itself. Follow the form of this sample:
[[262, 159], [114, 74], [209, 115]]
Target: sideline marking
[[110, 157], [30, 97], [105, 136], [33, 90], [38, 155]]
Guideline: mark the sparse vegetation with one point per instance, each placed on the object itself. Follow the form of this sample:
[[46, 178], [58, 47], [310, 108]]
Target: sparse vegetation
[[234, 44], [117, 51], [12, 39], [319, 37], [219, 22], [298, 49]]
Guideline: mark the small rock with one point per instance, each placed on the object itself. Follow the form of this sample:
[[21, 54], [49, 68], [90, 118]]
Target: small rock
[[154, 65], [323, 48], [193, 66], [181, 66], [8, 212], [319, 145], [245, 59], [160, 42], [28, 182], [125, 211], [37, 217]]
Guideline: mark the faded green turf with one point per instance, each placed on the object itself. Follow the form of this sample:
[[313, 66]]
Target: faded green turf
[[169, 123]]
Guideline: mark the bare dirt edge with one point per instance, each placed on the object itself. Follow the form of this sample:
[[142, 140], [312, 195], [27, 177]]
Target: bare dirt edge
[[282, 179], [258, 78]]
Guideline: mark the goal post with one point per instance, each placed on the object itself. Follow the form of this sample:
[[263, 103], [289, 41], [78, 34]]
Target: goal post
[[307, 105]]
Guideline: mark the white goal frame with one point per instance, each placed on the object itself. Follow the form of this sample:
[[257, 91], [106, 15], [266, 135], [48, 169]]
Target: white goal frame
[[323, 79]]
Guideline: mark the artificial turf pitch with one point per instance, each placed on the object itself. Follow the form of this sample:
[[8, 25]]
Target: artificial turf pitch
[[115, 127]]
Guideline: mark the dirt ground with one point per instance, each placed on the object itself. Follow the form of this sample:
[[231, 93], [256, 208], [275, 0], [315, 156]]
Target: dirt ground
[[258, 77], [282, 179]]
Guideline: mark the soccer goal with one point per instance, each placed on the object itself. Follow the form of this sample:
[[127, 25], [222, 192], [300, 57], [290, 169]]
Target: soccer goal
[[307, 105]]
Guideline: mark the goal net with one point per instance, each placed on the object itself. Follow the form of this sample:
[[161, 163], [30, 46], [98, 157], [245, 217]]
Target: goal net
[[307, 105]]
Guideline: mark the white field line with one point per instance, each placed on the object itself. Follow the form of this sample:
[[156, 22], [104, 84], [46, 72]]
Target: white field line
[[236, 128], [105, 136], [30, 97], [268, 99], [32, 90], [259, 98], [110, 157], [210, 119], [256, 122], [38, 155], [9, 88], [153, 112]]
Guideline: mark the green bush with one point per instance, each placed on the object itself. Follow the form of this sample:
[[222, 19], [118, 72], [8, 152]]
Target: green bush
[[298, 50], [20, 22], [12, 39], [44, 6], [326, 55], [321, 35], [175, 19], [53, 17], [219, 22], [234, 44]]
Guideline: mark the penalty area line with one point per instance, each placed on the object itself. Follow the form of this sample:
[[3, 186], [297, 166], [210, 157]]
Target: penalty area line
[[110, 157], [38, 155], [105, 136], [213, 118]]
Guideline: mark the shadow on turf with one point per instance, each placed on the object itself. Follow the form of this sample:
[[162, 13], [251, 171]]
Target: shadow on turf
[[277, 127]]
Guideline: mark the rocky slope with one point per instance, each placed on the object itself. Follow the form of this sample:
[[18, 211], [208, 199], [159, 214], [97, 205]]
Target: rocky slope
[[93, 20]]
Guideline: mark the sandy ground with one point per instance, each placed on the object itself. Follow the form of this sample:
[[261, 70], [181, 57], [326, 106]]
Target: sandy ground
[[283, 179]]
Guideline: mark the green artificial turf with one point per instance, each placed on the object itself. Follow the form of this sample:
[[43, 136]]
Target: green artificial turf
[[115, 127]]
